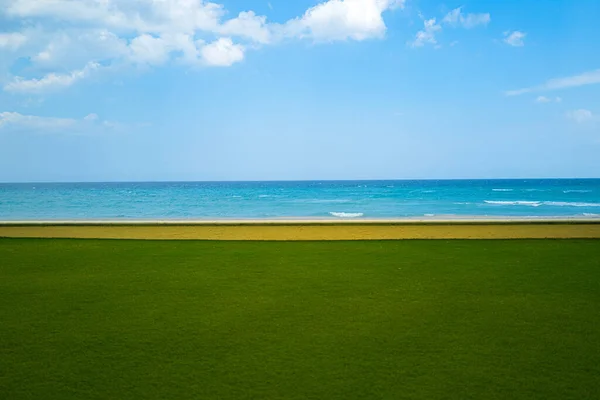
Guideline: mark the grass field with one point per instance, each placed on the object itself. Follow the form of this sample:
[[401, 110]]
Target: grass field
[[118, 319]]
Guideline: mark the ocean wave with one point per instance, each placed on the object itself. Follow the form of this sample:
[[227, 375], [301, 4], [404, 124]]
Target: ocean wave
[[320, 201], [514, 203], [429, 215], [591, 215], [502, 190], [346, 214], [570, 204], [544, 203], [576, 191]]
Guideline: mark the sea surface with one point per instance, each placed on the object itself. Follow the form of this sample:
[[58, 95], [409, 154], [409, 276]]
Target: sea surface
[[306, 199]]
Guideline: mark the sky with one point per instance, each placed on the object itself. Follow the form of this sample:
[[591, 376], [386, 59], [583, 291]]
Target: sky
[[191, 90]]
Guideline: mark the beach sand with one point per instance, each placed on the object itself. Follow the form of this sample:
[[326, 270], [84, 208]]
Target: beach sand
[[317, 230]]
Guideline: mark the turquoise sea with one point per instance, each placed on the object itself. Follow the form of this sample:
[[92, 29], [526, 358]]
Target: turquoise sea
[[306, 199]]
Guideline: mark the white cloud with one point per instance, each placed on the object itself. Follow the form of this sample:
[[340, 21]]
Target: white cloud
[[222, 53], [329, 20], [155, 32], [544, 99], [454, 18], [12, 41], [63, 9], [581, 116], [15, 121], [149, 49], [515, 38], [427, 35], [457, 18], [586, 78], [342, 20], [183, 44], [72, 48], [181, 16], [51, 81], [145, 16], [248, 25]]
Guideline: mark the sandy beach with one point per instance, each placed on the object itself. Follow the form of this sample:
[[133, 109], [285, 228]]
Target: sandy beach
[[306, 230]]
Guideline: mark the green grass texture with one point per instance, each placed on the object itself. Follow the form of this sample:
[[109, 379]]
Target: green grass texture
[[431, 319]]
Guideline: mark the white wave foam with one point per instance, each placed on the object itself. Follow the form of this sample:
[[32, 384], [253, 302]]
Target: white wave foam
[[540, 203], [320, 201], [570, 204], [429, 215], [591, 215], [514, 203], [576, 191], [502, 190], [346, 214], [427, 191]]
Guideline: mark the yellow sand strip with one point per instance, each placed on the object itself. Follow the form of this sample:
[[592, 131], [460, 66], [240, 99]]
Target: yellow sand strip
[[309, 231]]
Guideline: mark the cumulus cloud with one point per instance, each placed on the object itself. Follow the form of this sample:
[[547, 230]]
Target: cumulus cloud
[[248, 25], [75, 47], [427, 35], [149, 49], [515, 38], [91, 33], [222, 53], [12, 41], [586, 78], [581, 116], [457, 18], [329, 20], [89, 10], [51, 81], [342, 19]]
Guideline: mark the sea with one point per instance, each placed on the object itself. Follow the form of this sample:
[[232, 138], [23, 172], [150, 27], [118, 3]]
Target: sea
[[343, 200]]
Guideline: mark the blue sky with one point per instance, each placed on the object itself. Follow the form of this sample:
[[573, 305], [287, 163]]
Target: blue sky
[[103, 90]]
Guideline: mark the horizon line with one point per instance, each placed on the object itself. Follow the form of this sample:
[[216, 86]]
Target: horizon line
[[298, 180]]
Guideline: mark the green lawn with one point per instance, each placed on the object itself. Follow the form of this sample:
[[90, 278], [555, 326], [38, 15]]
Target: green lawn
[[92, 319]]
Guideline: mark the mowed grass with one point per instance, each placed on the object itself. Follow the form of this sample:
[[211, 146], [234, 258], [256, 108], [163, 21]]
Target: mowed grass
[[116, 319]]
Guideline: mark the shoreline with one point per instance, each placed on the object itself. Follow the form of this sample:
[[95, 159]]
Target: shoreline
[[450, 220]]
